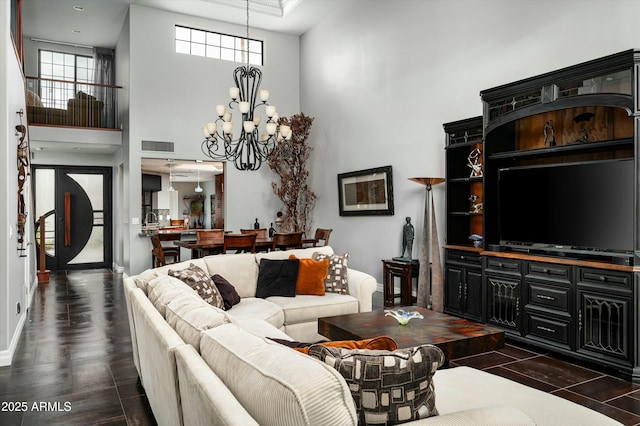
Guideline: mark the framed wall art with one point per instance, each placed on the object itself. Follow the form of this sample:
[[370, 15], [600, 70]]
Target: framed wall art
[[366, 192]]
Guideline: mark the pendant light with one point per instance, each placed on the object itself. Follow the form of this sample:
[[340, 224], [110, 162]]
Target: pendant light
[[198, 188]]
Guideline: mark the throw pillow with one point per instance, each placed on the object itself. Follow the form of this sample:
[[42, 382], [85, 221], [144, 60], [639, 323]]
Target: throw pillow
[[228, 292], [388, 387], [336, 281], [33, 99], [85, 96], [198, 280], [380, 343], [277, 278], [311, 276]]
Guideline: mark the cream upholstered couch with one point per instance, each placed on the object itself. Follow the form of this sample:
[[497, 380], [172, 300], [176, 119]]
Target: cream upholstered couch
[[201, 365]]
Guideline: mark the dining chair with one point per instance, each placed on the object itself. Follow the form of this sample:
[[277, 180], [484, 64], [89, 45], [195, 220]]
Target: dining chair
[[262, 233], [209, 234], [320, 235], [242, 243], [286, 240], [160, 253]]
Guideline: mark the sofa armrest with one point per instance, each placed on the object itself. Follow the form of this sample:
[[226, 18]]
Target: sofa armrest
[[362, 286]]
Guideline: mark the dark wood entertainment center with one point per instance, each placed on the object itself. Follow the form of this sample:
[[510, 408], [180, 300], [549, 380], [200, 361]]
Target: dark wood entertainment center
[[578, 301]]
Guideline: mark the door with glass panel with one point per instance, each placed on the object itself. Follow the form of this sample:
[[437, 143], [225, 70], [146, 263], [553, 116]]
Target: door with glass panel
[[76, 204]]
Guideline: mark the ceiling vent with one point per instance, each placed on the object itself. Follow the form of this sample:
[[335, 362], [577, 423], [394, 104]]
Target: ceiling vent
[[157, 146]]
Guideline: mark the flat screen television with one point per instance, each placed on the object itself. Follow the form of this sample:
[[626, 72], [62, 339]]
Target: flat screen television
[[585, 206]]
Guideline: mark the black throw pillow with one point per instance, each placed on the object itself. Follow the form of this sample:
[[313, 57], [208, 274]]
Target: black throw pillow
[[228, 292], [277, 278]]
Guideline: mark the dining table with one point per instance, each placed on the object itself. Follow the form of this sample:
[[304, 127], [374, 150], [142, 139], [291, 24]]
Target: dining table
[[214, 246]]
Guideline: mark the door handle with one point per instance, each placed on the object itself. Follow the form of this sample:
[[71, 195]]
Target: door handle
[[67, 219]]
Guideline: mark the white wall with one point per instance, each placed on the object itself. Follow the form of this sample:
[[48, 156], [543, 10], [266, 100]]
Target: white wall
[[172, 96], [17, 274], [381, 77]]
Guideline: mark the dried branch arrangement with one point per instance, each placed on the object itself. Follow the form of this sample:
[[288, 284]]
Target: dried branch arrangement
[[289, 161]]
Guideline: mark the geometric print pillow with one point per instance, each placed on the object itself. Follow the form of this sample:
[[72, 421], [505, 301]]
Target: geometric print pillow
[[336, 281], [202, 283], [388, 387]]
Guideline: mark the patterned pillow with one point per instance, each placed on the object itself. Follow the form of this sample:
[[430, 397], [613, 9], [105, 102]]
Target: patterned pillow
[[198, 280], [336, 281], [388, 387]]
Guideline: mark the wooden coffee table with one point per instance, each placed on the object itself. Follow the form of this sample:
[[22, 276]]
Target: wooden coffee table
[[456, 337]]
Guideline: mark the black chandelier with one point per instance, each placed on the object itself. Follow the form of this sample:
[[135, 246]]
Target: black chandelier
[[252, 147]]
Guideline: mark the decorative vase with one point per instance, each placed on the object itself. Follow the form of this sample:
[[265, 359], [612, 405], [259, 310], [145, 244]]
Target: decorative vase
[[403, 316]]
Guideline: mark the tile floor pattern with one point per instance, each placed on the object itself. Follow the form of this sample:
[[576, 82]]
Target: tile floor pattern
[[74, 361]]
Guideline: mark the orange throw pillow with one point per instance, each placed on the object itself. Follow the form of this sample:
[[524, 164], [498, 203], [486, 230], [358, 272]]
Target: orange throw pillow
[[384, 343], [311, 275]]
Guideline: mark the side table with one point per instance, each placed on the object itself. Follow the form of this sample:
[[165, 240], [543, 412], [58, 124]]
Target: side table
[[406, 271]]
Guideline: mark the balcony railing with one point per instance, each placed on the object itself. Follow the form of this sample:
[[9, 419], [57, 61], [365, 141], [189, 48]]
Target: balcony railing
[[73, 104]]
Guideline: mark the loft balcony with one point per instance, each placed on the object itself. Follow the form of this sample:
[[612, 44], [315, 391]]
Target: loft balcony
[[60, 103]]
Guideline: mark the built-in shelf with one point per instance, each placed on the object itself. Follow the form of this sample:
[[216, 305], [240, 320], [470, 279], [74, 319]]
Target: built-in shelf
[[465, 213], [466, 179], [574, 148]]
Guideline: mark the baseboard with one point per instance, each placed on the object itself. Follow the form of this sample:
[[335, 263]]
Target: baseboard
[[117, 268], [379, 287], [7, 355]]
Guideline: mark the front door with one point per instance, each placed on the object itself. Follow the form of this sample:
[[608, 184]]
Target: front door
[[78, 227]]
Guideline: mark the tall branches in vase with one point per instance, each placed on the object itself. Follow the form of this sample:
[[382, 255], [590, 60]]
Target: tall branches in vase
[[289, 161]]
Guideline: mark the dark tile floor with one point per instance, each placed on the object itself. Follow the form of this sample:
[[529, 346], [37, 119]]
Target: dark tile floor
[[73, 364]]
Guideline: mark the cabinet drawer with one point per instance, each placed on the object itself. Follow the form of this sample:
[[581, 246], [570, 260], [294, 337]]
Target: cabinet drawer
[[549, 296], [549, 271], [605, 278], [555, 330], [498, 264], [463, 257]]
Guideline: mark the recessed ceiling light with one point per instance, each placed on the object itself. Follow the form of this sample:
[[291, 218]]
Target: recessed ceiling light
[[78, 8]]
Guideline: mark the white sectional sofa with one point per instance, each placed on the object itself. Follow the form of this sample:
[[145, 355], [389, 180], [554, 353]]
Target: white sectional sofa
[[201, 365]]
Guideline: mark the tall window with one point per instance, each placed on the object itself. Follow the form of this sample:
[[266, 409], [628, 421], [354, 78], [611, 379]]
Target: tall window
[[219, 46], [72, 68]]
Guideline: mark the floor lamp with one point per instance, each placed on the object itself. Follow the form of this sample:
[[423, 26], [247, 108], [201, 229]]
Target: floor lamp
[[430, 285]]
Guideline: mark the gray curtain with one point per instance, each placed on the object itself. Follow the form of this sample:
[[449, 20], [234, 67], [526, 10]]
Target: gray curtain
[[103, 61]]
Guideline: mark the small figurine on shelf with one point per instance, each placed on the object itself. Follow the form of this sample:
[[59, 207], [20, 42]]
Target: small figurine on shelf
[[256, 225], [474, 162], [272, 230], [476, 207], [548, 128]]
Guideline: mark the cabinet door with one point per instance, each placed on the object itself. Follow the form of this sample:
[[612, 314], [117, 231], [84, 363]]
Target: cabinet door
[[473, 294], [604, 324], [503, 301], [453, 289]]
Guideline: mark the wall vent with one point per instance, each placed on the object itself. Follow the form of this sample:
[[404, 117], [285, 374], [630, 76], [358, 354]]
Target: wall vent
[[157, 146]]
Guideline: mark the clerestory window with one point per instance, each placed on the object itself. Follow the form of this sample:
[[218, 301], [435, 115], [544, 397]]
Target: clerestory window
[[191, 41]]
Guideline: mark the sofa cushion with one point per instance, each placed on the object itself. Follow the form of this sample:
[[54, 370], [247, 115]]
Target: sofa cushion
[[303, 308], [253, 307], [304, 253], [228, 292], [165, 289], [301, 390], [198, 280], [241, 270], [190, 318], [142, 279], [277, 278], [336, 280], [311, 275], [388, 387]]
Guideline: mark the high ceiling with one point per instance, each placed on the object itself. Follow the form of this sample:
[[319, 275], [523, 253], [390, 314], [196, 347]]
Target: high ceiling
[[98, 22]]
